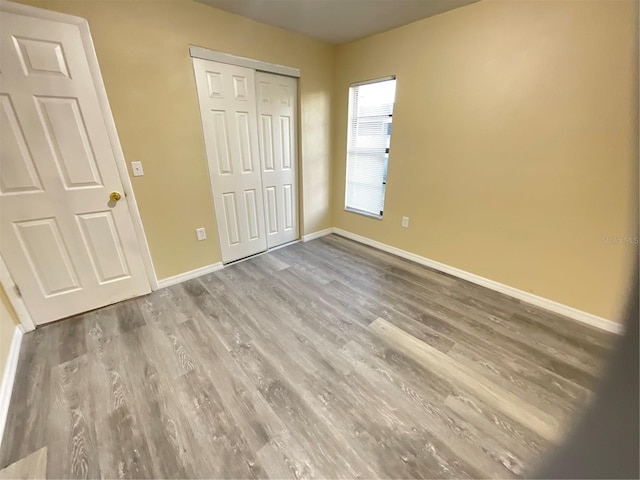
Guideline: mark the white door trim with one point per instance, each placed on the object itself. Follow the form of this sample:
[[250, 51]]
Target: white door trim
[[221, 57], [13, 294], [9, 377], [92, 60]]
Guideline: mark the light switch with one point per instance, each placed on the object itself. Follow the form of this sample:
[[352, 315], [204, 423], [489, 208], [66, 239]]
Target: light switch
[[136, 167], [201, 234]]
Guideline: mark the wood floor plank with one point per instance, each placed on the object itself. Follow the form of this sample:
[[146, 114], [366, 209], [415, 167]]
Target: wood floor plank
[[70, 339], [558, 323], [558, 398], [129, 316], [355, 252], [29, 406], [273, 464], [292, 258], [538, 370], [326, 359], [284, 397], [322, 377], [168, 351], [494, 321], [531, 443], [124, 449], [71, 437], [105, 322], [518, 452], [249, 410], [160, 417], [215, 430], [538, 421], [432, 337], [295, 410], [395, 366], [321, 318], [592, 342], [439, 317]]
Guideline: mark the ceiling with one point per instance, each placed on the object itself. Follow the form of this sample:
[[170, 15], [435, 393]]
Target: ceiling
[[336, 21]]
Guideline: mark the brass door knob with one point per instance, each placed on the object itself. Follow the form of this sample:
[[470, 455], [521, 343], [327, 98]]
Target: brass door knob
[[115, 196]]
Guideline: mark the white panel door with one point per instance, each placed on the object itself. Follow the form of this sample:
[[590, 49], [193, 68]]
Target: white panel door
[[68, 247], [228, 108], [277, 96]]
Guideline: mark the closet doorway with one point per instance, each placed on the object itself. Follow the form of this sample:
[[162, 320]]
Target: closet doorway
[[250, 132]]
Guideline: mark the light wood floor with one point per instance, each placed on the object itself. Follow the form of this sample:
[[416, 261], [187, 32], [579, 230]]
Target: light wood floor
[[324, 359]]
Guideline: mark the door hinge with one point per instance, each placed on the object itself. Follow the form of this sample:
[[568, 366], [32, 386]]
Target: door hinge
[[18, 291]]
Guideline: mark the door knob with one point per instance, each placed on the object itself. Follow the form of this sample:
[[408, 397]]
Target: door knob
[[115, 196]]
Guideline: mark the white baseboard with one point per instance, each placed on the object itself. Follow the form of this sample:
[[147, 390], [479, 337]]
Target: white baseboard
[[183, 277], [318, 234], [552, 306], [8, 377]]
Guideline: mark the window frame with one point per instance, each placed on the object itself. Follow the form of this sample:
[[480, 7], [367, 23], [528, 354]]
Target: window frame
[[347, 208]]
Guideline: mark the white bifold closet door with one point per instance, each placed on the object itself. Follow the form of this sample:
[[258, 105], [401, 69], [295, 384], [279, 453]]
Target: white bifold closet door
[[249, 127], [276, 96], [228, 109]]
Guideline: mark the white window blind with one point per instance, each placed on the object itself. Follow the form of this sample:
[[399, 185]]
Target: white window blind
[[368, 141]]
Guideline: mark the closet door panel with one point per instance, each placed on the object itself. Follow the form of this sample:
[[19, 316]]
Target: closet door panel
[[277, 97], [226, 94]]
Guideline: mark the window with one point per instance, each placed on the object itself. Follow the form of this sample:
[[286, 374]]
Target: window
[[368, 141]]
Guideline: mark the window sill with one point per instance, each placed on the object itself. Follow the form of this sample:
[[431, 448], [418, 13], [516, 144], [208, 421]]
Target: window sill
[[363, 213]]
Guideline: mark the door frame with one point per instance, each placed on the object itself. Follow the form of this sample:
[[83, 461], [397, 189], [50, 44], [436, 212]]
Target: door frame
[[121, 165], [13, 294], [260, 66]]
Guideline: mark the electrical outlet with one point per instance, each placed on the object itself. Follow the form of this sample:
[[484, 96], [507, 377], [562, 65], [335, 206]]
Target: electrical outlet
[[405, 222], [201, 234], [136, 167]]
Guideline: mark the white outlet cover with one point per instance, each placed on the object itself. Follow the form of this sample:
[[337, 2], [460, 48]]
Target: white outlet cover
[[136, 167]]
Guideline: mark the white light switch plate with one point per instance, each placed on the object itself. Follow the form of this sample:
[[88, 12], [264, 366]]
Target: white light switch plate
[[405, 222], [201, 234], [136, 167]]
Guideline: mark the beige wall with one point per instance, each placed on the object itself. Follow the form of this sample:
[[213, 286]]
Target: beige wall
[[515, 143], [7, 312], [142, 49], [514, 149]]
